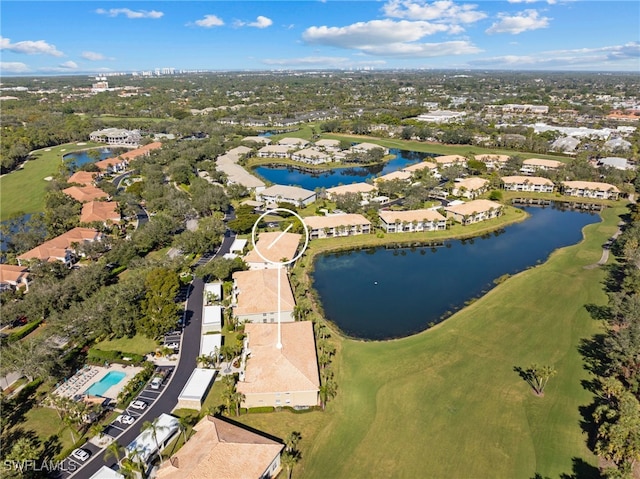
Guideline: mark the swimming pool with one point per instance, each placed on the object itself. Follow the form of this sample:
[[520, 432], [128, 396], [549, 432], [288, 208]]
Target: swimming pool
[[100, 387]]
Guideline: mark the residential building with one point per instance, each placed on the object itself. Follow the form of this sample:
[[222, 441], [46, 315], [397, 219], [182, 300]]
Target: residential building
[[84, 194], [145, 446], [567, 144], [617, 144], [83, 178], [276, 151], [441, 116], [218, 449], [532, 165], [394, 175], [493, 162], [450, 160], [61, 247], [258, 139], [238, 175], [411, 221], [421, 166], [285, 376], [337, 225], [116, 137], [277, 194], [103, 211], [112, 165], [474, 211], [255, 296], [364, 189], [13, 277], [293, 142], [470, 188], [328, 145], [616, 162], [311, 156], [590, 189], [367, 147], [527, 183], [196, 389], [284, 248], [210, 344]]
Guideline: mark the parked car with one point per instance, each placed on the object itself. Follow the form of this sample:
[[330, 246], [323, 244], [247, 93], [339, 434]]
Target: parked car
[[81, 454], [125, 419], [138, 404], [156, 382], [173, 345]]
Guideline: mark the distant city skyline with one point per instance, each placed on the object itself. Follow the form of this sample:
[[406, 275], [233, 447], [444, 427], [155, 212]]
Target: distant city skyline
[[105, 37]]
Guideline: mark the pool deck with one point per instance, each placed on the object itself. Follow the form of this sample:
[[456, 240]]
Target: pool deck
[[75, 386]]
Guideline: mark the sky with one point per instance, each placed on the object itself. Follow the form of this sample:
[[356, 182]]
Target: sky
[[77, 37]]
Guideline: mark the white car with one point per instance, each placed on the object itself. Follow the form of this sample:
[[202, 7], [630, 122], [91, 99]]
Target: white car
[[156, 383], [173, 345], [125, 419], [81, 454], [138, 405]]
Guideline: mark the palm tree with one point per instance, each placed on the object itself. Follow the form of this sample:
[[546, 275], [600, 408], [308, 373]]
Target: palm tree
[[237, 397], [328, 389], [183, 424], [289, 460], [155, 428], [113, 450]]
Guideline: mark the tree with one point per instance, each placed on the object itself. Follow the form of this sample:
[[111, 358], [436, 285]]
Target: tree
[[289, 461], [348, 202], [291, 454], [160, 311], [537, 376], [113, 450], [154, 428]]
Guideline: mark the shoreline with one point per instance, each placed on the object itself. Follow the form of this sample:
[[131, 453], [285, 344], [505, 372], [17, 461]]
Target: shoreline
[[304, 267], [254, 162]]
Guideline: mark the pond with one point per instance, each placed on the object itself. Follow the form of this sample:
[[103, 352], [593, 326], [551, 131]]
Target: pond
[[80, 158], [383, 293], [288, 175]]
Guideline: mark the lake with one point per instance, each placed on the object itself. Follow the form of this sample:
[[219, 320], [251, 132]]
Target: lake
[[288, 175], [80, 158], [382, 293]]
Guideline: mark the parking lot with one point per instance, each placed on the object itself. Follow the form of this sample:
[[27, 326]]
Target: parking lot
[[116, 428]]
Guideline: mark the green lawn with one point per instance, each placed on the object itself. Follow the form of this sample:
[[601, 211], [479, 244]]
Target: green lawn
[[447, 403], [23, 190], [138, 345]]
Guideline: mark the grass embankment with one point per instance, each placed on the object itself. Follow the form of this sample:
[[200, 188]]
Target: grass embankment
[[447, 402], [138, 344], [23, 190]]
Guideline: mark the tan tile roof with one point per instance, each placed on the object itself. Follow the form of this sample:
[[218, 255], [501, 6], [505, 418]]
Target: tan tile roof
[[129, 155], [105, 164], [10, 273], [533, 180], [258, 291], [353, 188], [331, 221], [84, 193], [591, 185], [471, 184], [292, 368], [99, 211], [284, 248], [395, 175], [420, 166], [542, 162], [82, 177], [220, 450], [477, 206], [488, 158], [445, 159], [56, 247], [409, 216]]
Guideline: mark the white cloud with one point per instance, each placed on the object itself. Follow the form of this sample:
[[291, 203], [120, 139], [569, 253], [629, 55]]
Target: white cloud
[[70, 65], [209, 21], [521, 22], [30, 47], [261, 22], [14, 67], [93, 56], [375, 32], [580, 58], [442, 10], [550, 2], [114, 12], [390, 38]]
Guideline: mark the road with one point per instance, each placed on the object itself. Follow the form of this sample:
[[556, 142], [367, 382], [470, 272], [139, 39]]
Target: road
[[168, 399]]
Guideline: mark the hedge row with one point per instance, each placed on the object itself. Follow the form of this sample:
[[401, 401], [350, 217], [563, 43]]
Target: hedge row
[[25, 330], [98, 356]]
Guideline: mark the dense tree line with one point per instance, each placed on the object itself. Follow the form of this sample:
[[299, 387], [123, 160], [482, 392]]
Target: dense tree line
[[614, 357]]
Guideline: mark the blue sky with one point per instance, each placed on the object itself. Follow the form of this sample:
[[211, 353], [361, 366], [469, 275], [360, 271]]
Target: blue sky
[[67, 37]]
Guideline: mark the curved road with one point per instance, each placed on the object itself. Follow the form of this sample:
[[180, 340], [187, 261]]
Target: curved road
[[189, 351]]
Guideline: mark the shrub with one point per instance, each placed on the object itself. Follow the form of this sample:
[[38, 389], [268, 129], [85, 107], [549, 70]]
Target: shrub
[[24, 331]]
